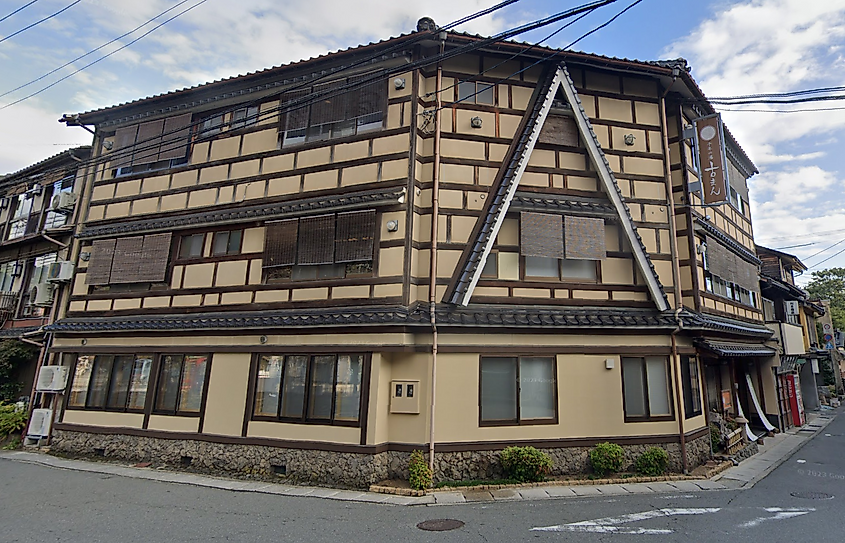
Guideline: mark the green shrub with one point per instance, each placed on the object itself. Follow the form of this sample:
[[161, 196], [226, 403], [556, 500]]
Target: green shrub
[[420, 472], [14, 443], [653, 462], [525, 464], [715, 438], [607, 458], [12, 419]]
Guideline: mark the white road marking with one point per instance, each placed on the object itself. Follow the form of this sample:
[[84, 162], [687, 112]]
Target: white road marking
[[780, 514], [611, 524], [801, 461]]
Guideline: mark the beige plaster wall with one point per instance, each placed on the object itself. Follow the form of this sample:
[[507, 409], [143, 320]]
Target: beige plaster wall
[[589, 403], [102, 418], [174, 424], [227, 391], [304, 432]]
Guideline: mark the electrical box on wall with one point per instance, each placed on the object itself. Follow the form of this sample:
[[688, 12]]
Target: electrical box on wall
[[405, 396]]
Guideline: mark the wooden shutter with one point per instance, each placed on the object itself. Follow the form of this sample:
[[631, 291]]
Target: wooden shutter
[[148, 143], [584, 238], [297, 118], [128, 253], [370, 98], [355, 232], [124, 142], [156, 252], [328, 109], [540, 234], [99, 265], [559, 130], [177, 133], [731, 267], [316, 240], [280, 243]]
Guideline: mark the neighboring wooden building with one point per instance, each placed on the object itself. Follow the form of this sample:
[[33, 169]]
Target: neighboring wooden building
[[316, 269], [37, 214]]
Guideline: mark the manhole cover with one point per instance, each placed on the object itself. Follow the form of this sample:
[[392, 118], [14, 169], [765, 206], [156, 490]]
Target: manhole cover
[[813, 495], [440, 525]]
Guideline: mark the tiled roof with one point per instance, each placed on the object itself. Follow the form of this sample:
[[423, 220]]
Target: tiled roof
[[711, 323], [724, 348], [562, 204], [262, 74], [15, 333], [291, 208], [475, 317], [81, 152]]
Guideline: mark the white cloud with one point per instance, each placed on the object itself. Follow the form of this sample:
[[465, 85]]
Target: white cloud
[[37, 135], [764, 46]]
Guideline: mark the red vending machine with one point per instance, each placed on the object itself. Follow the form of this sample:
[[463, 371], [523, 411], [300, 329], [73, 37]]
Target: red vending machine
[[796, 403]]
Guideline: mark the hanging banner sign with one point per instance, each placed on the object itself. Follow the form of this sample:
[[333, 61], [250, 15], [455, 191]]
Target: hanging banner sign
[[710, 142]]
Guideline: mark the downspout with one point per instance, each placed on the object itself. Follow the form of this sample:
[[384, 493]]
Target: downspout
[[676, 274], [432, 286]]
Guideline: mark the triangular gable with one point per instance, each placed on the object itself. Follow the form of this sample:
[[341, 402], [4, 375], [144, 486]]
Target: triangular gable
[[507, 181]]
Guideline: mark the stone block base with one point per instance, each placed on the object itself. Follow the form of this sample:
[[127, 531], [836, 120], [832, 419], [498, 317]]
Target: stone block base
[[339, 469]]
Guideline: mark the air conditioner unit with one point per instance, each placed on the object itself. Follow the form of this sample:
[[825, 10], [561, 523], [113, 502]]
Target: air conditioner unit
[[60, 272], [792, 307], [41, 294], [63, 202], [39, 423], [51, 379]]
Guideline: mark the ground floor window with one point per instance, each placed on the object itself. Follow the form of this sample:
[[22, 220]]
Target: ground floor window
[[123, 382], [692, 386], [645, 388], [111, 382], [181, 381], [517, 390], [310, 388]]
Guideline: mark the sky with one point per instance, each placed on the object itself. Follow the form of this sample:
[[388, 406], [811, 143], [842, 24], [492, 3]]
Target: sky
[[735, 47]]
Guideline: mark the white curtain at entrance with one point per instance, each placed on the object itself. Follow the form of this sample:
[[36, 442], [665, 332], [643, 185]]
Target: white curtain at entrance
[[748, 432], [766, 423]]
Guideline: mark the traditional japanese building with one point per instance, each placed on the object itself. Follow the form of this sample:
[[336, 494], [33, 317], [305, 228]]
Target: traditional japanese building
[[449, 245]]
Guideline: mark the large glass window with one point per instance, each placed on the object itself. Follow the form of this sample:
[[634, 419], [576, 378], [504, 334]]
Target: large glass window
[[320, 388], [692, 387], [518, 390], [181, 381], [110, 382], [646, 388]]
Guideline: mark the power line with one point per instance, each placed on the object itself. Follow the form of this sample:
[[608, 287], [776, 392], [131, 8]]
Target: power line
[[546, 57], [795, 246], [17, 10], [782, 110], [36, 23], [122, 47], [65, 65], [487, 11], [825, 249], [315, 97], [808, 235], [818, 90], [817, 264]]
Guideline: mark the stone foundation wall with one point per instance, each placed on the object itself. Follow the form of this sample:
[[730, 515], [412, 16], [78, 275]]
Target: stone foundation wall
[[298, 465], [332, 468], [457, 466]]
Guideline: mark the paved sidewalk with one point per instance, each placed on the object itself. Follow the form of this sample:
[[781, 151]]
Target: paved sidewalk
[[773, 453]]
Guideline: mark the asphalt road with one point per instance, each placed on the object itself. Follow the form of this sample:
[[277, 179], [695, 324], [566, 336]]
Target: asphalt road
[[45, 504]]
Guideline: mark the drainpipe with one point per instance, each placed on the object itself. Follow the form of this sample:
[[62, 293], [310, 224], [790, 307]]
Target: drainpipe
[[676, 274], [432, 287]]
